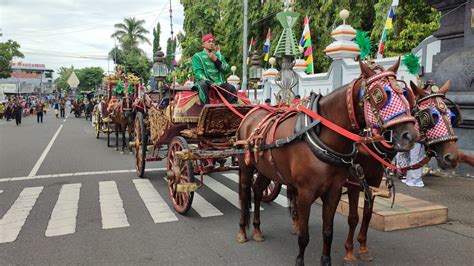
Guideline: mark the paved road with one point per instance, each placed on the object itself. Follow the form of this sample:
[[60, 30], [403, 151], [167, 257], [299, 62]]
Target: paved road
[[67, 198]]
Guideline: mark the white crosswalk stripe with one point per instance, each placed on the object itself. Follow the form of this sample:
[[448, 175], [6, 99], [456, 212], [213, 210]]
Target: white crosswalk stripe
[[63, 218], [156, 206], [64, 215], [14, 219], [280, 199], [227, 193], [111, 206]]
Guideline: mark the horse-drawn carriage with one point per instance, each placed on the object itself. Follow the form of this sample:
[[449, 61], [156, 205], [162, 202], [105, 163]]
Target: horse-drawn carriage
[[198, 138]]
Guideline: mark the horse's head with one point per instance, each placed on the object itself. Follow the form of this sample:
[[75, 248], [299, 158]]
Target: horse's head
[[386, 108], [436, 122]]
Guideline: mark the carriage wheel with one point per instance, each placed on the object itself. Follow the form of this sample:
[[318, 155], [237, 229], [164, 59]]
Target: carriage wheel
[[181, 200], [271, 192], [140, 144]]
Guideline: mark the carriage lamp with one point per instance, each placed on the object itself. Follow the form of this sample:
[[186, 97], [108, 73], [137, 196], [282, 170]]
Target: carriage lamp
[[255, 72], [159, 67]]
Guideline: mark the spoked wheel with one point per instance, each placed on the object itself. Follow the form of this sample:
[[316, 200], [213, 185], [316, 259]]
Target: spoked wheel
[[140, 144], [271, 192], [183, 174]]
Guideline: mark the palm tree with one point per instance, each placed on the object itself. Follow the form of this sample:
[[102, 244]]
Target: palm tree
[[130, 33]]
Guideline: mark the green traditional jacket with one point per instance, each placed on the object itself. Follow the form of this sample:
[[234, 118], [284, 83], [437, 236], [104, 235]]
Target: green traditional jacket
[[205, 69]]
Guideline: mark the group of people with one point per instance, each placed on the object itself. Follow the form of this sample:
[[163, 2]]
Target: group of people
[[18, 107]]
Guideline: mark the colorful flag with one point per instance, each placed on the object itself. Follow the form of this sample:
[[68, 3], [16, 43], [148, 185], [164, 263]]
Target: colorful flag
[[388, 26], [305, 41], [250, 50], [266, 49]]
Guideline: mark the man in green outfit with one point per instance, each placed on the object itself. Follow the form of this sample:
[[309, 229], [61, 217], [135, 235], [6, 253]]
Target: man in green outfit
[[209, 66]]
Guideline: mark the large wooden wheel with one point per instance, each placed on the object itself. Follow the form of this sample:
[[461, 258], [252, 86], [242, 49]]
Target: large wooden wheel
[[182, 174], [271, 192], [140, 144]]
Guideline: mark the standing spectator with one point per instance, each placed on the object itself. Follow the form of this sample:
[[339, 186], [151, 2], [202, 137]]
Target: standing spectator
[[2, 110], [62, 107], [17, 111], [56, 109], [9, 111], [413, 177], [39, 108]]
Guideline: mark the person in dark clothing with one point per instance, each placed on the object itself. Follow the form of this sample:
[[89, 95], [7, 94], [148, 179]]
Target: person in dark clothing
[[17, 112], [39, 112], [62, 107], [9, 111]]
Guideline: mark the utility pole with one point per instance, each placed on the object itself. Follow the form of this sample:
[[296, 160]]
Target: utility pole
[[245, 55]]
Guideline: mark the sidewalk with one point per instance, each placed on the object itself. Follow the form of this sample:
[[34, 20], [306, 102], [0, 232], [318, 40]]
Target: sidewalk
[[452, 191]]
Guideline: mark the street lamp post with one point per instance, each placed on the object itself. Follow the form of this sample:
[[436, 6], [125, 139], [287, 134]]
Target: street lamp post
[[255, 72], [159, 70]]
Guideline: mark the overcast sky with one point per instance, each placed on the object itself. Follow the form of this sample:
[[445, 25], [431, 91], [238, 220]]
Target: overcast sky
[[77, 32]]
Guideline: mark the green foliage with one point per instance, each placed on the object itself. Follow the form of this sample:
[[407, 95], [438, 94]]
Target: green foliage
[[137, 64], [414, 20], [412, 62], [90, 77], [61, 81], [170, 53], [130, 33], [8, 50], [156, 37]]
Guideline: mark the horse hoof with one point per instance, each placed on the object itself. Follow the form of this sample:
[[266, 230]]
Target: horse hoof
[[241, 238], [365, 256], [299, 261], [326, 260], [350, 262], [258, 237]]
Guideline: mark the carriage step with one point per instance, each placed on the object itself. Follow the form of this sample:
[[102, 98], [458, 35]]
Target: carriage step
[[187, 187]]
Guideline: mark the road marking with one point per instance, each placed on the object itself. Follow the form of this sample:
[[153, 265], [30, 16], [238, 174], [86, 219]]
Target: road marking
[[156, 206], [280, 199], [14, 219], [1, 191], [45, 152], [111, 206], [203, 207], [63, 218], [76, 174], [230, 195], [64, 120]]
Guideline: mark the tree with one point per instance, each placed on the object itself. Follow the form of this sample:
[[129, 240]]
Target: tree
[[90, 77], [414, 21], [8, 50], [156, 37], [170, 53], [137, 64], [61, 81], [130, 33]]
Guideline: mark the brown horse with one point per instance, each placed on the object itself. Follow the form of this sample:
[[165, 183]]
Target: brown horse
[[306, 170], [440, 141], [122, 118]]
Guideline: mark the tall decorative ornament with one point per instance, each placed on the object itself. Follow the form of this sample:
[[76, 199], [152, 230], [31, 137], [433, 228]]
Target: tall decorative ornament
[[287, 50]]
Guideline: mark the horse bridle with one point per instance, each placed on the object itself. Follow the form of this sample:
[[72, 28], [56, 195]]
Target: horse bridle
[[434, 117]]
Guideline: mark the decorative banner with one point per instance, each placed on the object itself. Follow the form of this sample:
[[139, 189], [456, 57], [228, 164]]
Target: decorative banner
[[266, 49], [305, 42]]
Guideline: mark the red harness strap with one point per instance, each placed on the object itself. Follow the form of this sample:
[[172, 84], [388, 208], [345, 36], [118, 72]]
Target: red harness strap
[[338, 129]]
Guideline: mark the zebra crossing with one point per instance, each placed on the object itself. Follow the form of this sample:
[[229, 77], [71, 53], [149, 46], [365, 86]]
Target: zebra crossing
[[64, 215]]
